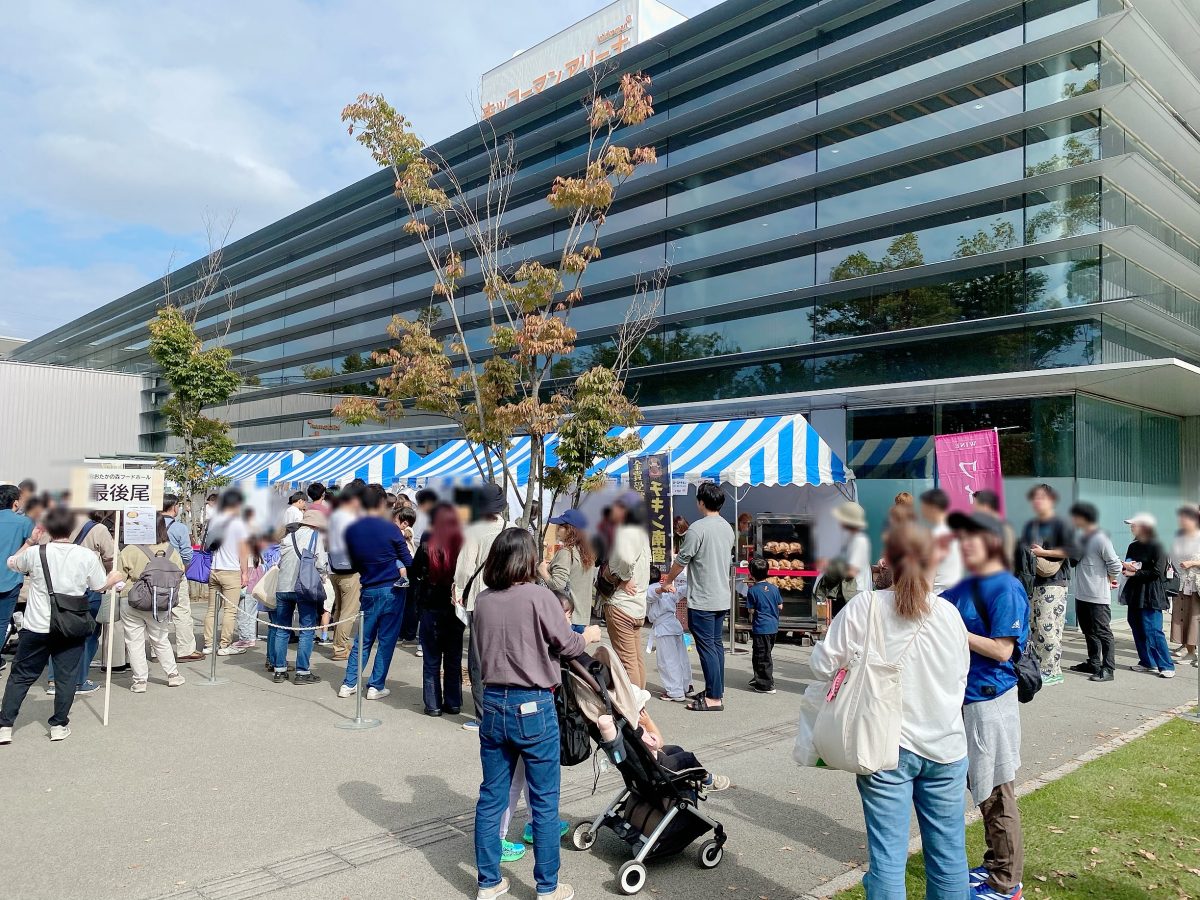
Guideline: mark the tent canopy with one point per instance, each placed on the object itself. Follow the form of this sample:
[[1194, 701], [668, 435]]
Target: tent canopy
[[453, 461], [261, 468], [335, 464], [769, 450]]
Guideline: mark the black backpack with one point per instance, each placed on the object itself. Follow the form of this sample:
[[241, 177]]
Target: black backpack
[[575, 746], [1029, 676]]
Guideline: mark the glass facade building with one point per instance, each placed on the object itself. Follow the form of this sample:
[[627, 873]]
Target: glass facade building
[[847, 195]]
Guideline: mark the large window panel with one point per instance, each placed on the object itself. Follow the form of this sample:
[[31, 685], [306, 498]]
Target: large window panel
[[746, 280], [742, 177], [1062, 211], [946, 113], [1057, 280], [763, 118], [776, 219], [981, 165], [1062, 144]]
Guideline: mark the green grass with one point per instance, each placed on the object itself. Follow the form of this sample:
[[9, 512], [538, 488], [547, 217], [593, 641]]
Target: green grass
[[1122, 827]]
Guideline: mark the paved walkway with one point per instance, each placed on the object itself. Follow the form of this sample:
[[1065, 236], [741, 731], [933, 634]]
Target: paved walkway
[[248, 790]]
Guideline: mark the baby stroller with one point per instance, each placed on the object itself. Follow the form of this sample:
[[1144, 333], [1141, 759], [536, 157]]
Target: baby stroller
[[657, 812]]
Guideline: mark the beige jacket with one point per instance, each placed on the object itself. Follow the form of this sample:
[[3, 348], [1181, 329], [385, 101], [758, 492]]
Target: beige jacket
[[477, 542]]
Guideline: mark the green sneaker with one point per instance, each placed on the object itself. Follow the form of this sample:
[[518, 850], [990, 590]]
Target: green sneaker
[[563, 827], [510, 852], [1051, 679]]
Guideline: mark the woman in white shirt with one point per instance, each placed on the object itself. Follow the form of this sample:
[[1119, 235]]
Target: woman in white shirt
[[925, 635], [73, 569]]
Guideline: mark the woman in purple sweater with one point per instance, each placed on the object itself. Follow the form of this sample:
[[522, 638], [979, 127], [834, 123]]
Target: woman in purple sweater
[[519, 635]]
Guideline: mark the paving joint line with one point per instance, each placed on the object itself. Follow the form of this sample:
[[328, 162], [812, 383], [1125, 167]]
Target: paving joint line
[[265, 879]]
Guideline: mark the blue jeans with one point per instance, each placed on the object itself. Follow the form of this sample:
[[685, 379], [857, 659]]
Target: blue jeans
[[505, 735], [277, 639], [888, 798], [442, 649], [1148, 638], [706, 627], [90, 644], [383, 610], [8, 605]]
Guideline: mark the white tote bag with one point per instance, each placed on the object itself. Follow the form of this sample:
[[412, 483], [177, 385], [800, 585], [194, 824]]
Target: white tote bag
[[857, 728], [264, 591]]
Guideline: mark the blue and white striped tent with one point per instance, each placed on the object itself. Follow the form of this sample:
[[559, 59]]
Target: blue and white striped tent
[[770, 450], [384, 466], [902, 457], [261, 468], [338, 464], [520, 456], [453, 461]]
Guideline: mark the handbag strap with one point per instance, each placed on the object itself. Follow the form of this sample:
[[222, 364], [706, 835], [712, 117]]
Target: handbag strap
[[46, 570]]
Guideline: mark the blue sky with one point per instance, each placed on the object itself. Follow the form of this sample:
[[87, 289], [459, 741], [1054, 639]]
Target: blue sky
[[131, 124]]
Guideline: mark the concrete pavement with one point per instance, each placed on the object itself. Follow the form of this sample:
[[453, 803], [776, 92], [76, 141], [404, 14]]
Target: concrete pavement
[[248, 790]]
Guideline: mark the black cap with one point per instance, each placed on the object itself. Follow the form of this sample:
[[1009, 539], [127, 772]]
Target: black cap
[[977, 521], [492, 501]]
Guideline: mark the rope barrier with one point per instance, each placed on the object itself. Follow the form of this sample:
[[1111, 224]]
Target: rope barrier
[[307, 627]]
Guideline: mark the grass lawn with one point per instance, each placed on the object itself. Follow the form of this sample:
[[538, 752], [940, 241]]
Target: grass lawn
[[1122, 827]]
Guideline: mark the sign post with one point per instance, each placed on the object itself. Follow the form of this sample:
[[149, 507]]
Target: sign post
[[136, 496], [650, 476]]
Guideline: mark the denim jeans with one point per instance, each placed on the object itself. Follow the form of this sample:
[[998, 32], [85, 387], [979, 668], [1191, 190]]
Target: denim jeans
[[8, 605], [383, 610], [888, 798], [442, 648], [92, 644], [706, 627], [505, 735], [1148, 638], [277, 639]]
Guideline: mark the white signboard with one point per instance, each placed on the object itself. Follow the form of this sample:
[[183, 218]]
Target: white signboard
[[679, 487], [589, 42], [139, 525], [116, 488]]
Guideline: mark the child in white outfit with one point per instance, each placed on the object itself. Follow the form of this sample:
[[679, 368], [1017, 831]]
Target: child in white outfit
[[674, 667]]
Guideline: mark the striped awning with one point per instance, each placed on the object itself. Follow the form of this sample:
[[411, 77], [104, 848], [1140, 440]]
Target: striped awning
[[453, 461], [771, 450], [901, 457], [520, 456], [332, 464], [384, 466], [261, 468]]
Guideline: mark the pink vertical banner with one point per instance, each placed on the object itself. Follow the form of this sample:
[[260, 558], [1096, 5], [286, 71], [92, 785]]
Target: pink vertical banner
[[967, 463]]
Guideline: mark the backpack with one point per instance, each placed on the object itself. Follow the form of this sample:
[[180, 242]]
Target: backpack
[[157, 588], [575, 746], [309, 586], [1029, 676]]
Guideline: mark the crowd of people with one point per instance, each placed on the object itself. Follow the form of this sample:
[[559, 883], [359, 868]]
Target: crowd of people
[[959, 598], [975, 611]]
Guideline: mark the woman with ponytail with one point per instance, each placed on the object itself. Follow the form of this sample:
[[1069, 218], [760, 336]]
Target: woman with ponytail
[[925, 636]]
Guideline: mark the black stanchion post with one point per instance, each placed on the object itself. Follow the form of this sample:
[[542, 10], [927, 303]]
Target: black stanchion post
[[212, 679], [358, 723]]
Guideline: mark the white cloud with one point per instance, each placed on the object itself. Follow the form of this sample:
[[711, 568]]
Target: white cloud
[[150, 114]]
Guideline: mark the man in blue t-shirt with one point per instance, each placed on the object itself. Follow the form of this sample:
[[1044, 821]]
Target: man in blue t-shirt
[[376, 546], [764, 603], [15, 530], [995, 609]]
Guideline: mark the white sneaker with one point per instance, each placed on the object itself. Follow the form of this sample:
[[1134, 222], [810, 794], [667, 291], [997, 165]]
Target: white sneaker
[[377, 693], [1166, 673], [206, 651], [59, 732], [138, 687], [231, 650], [420, 652], [6, 735], [1141, 668], [345, 691], [176, 680], [491, 893]]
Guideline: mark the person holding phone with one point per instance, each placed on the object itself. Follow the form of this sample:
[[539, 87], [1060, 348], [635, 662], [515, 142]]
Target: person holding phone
[[1145, 595]]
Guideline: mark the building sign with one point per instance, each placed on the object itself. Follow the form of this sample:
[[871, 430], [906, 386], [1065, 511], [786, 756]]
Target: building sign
[[967, 463], [650, 476], [116, 488], [594, 40]]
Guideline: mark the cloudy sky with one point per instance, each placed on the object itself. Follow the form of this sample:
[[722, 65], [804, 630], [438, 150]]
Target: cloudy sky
[[128, 124]]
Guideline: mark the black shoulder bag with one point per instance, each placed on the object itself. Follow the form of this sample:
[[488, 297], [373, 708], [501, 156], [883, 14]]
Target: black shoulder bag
[[1029, 676], [70, 617]]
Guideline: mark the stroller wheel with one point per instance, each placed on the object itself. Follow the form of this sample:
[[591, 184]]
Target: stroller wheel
[[710, 854], [631, 877], [582, 836]]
